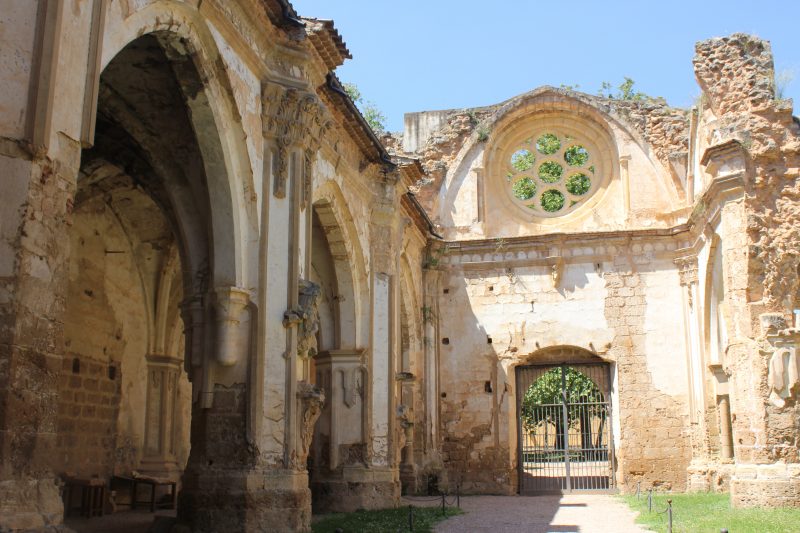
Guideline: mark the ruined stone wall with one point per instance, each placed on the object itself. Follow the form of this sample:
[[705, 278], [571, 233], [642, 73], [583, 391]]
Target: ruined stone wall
[[498, 308], [463, 150], [736, 74]]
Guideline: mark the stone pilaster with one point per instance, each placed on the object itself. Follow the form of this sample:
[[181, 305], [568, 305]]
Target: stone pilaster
[[39, 191], [767, 473], [162, 392], [262, 482]]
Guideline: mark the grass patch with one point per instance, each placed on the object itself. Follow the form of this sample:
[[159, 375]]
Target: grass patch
[[384, 520], [701, 512]]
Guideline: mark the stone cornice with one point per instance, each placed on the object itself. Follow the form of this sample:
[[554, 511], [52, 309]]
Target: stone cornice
[[327, 42]]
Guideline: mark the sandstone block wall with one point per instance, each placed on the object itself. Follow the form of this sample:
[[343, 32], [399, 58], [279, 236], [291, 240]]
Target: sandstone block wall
[[87, 417], [626, 310]]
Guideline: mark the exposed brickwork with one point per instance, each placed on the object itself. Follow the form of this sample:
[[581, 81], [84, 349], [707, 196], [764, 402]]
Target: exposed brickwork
[[87, 418]]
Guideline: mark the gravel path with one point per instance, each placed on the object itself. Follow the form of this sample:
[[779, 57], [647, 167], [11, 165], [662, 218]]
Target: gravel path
[[590, 513]]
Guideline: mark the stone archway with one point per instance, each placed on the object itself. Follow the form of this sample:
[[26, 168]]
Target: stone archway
[[157, 201], [339, 435], [564, 423], [124, 399]]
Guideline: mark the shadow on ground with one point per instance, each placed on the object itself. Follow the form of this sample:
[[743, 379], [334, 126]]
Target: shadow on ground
[[124, 522]]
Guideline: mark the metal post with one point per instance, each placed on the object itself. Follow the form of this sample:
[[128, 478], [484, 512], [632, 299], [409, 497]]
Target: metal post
[[458, 496], [565, 425], [669, 515], [411, 518], [638, 489], [650, 501], [443, 504]]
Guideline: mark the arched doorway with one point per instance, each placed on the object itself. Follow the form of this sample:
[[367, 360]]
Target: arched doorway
[[151, 213], [564, 427]]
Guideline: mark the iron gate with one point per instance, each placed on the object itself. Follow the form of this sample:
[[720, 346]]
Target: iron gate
[[564, 428]]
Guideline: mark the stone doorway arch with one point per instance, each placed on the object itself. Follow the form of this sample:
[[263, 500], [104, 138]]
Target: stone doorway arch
[[564, 423]]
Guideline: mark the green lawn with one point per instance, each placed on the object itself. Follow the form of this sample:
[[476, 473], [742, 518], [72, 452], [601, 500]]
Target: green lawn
[[384, 520], [701, 513]]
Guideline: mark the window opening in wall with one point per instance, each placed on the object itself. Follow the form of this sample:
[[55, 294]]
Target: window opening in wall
[[551, 173], [76, 366]]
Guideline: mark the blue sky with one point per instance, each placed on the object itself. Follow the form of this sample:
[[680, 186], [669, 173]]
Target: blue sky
[[417, 55]]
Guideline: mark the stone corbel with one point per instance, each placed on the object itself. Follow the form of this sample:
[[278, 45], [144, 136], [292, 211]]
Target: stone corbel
[[557, 270], [724, 159], [783, 371], [687, 275], [231, 303]]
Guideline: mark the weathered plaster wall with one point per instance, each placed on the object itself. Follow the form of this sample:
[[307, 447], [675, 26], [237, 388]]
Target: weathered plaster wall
[[623, 304]]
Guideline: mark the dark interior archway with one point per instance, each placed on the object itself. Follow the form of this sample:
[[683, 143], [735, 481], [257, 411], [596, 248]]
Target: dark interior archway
[[142, 248]]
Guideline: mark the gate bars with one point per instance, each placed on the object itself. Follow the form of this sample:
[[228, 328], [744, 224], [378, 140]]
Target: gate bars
[[564, 428]]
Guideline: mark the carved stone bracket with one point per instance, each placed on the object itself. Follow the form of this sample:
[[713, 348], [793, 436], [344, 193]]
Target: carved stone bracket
[[557, 270], [293, 118], [687, 274], [231, 303], [724, 159], [783, 349]]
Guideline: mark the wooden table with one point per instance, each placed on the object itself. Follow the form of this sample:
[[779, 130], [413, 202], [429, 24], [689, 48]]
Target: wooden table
[[93, 495]]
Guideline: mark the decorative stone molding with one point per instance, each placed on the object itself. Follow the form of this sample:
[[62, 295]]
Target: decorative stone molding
[[162, 393], [293, 118], [783, 349], [687, 274], [231, 303], [557, 271], [724, 159], [310, 400], [687, 270], [405, 426], [309, 325]]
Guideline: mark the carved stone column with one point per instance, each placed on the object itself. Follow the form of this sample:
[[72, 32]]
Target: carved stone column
[[158, 458], [259, 476], [385, 227], [701, 468]]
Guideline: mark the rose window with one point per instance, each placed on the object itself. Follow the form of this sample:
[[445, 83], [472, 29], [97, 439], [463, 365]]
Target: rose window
[[551, 173]]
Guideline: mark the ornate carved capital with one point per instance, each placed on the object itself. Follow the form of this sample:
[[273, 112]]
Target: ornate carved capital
[[687, 274], [292, 118], [687, 270]]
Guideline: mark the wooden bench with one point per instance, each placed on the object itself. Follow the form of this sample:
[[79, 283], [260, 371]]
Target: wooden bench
[[134, 482]]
